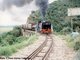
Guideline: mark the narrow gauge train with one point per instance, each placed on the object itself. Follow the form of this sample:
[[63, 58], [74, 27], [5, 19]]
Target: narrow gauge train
[[29, 26], [45, 27]]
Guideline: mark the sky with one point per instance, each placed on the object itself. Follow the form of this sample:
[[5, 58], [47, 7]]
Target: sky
[[16, 14]]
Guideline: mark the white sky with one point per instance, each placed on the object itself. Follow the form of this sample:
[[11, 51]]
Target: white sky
[[1, 0], [16, 15]]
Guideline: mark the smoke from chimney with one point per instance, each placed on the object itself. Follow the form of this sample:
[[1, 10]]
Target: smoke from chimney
[[42, 4]]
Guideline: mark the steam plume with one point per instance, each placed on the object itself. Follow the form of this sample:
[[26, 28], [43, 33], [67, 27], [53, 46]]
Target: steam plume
[[42, 4]]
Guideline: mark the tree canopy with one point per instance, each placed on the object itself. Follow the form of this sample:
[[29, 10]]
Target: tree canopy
[[57, 14]]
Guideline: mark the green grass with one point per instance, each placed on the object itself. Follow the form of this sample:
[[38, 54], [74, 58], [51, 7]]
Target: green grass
[[10, 49], [69, 40], [72, 42]]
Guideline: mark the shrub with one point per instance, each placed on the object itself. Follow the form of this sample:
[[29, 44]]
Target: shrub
[[65, 30], [77, 46], [15, 32], [5, 51], [9, 49], [77, 43], [9, 38], [20, 39], [74, 43]]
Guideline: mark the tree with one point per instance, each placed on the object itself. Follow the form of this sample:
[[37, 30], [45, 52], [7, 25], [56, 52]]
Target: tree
[[57, 14]]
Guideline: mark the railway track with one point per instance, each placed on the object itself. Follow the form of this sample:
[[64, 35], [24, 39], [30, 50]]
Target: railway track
[[41, 53]]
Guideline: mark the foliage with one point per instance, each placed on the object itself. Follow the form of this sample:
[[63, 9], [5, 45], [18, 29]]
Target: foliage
[[9, 38], [15, 32], [10, 49], [77, 43], [20, 39], [73, 42], [57, 14], [72, 3], [13, 40]]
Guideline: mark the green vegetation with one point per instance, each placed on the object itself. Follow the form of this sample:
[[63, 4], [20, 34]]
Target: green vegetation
[[9, 49], [72, 42], [11, 41], [9, 38], [72, 3], [57, 14]]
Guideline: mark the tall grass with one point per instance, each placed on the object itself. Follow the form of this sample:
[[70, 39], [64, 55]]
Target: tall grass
[[10, 49], [73, 42]]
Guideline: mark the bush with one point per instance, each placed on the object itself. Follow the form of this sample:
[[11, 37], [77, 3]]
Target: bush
[[8, 40], [3, 35], [11, 41], [20, 39], [77, 43], [73, 43], [66, 30], [5, 51], [9, 49], [15, 32], [77, 46]]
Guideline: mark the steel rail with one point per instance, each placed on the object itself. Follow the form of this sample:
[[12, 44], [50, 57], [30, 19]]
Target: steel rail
[[49, 50], [37, 51]]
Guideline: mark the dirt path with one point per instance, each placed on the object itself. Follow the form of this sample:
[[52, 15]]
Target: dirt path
[[60, 50]]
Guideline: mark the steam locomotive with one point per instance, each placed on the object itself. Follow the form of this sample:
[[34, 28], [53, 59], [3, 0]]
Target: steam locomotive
[[44, 27]]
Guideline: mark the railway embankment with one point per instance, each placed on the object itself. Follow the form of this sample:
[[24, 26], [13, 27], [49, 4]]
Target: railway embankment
[[13, 40], [60, 50], [29, 49]]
